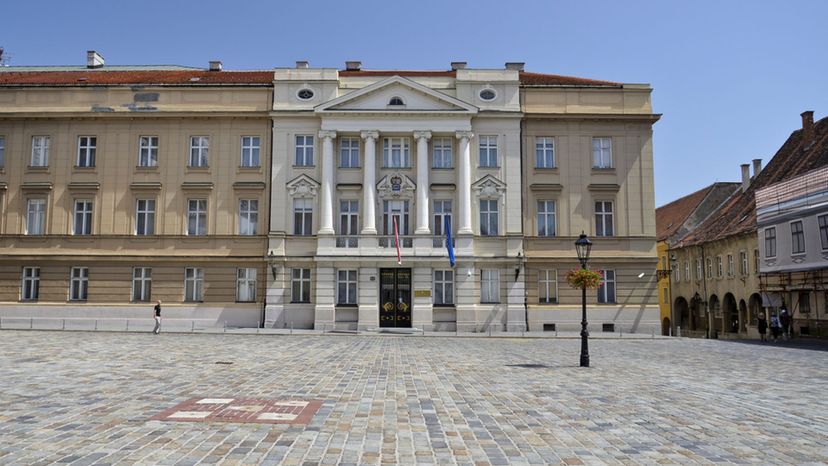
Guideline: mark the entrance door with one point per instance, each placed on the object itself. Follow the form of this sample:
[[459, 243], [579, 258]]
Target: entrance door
[[395, 298]]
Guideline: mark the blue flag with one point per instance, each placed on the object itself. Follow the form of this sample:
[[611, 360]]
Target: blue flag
[[449, 242]]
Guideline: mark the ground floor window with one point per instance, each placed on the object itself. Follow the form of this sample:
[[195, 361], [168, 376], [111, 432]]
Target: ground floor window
[[443, 287], [193, 284], [346, 287], [141, 283], [30, 289], [547, 286], [246, 285], [490, 286], [78, 283], [300, 283], [606, 292]]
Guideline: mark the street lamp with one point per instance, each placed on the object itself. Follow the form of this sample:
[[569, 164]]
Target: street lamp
[[582, 247]]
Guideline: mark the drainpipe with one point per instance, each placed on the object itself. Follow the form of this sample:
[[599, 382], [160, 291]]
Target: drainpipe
[[706, 301]]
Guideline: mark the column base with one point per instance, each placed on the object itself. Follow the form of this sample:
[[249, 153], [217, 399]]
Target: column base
[[422, 231], [368, 231]]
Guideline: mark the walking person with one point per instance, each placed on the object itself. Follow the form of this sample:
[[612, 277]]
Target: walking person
[[785, 323], [774, 326], [762, 325], [157, 312]]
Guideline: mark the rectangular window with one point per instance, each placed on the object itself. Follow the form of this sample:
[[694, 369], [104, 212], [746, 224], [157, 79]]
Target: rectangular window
[[545, 152], [601, 153], [78, 283], [698, 269], [83, 218], [606, 292], [823, 230], [603, 218], [442, 211], [196, 217], [2, 152], [488, 151], [441, 155], [349, 153], [250, 151], [141, 283], [488, 217], [730, 267], [546, 218], [302, 216], [395, 153], [40, 151], [346, 287], [30, 285], [246, 285], [686, 271], [199, 151], [547, 286], [145, 217], [36, 217], [86, 151], [770, 242], [719, 268], [300, 282], [443, 288], [148, 151], [304, 151], [348, 224], [193, 284], [804, 302], [755, 261], [490, 286], [797, 238], [709, 268], [743, 263], [395, 211], [248, 216]]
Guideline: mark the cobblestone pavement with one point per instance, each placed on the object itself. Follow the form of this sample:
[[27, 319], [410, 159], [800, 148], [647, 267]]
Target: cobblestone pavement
[[87, 398]]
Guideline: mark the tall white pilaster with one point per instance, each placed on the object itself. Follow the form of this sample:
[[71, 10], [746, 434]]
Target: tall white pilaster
[[369, 183], [464, 182], [422, 138], [326, 208]]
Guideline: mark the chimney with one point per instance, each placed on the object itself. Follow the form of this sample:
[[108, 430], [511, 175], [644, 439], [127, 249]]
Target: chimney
[[807, 126], [96, 60], [458, 65], [215, 65], [515, 65], [757, 167], [353, 65], [302, 64], [745, 176]]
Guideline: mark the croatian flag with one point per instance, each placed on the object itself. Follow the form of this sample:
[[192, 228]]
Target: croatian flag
[[449, 242], [397, 239]]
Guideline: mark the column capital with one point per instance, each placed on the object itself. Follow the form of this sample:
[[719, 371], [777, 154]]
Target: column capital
[[327, 134], [464, 134], [422, 135], [369, 134]]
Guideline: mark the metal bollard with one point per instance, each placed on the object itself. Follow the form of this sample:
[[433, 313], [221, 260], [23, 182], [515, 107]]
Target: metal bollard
[[291, 327], [127, 327], [63, 325], [678, 331], [192, 326], [96, 325]]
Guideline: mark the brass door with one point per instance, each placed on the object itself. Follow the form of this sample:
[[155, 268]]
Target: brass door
[[395, 298]]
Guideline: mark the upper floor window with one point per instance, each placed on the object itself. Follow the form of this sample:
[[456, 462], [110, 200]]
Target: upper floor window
[[490, 286], [601, 153], [770, 242], [300, 285], [199, 151], [346, 287], [709, 268], [719, 267], [349, 153], [797, 238], [148, 151], [40, 151], [546, 218], [145, 217], [78, 283], [348, 217], [441, 155], [823, 230], [603, 218], [193, 284], [698, 269], [250, 151], [686, 271], [730, 267], [248, 216], [30, 286], [396, 101], [755, 261], [2, 152], [197, 217], [547, 286], [302, 216], [83, 218], [36, 217], [395, 153], [488, 217], [488, 151], [487, 94], [304, 150], [246, 285], [545, 152], [606, 292], [86, 151], [743, 263], [443, 288]]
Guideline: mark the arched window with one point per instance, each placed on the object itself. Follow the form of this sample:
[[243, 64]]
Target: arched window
[[396, 101]]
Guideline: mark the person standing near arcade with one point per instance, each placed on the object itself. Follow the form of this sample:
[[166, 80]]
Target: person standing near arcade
[[157, 314]]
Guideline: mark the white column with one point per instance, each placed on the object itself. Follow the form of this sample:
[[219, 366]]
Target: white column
[[369, 183], [464, 182], [326, 204], [422, 138]]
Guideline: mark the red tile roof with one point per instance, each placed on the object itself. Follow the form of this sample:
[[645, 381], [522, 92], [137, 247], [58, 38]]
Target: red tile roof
[[539, 79], [670, 217], [148, 77], [738, 215], [403, 73]]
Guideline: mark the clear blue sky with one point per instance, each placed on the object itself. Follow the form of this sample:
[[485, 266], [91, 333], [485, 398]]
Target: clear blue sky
[[730, 77]]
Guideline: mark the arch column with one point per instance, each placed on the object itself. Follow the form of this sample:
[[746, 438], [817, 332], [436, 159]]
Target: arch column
[[422, 138], [369, 183], [464, 182], [326, 208]]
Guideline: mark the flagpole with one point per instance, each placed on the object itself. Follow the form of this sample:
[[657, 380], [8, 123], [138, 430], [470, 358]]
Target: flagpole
[[397, 239]]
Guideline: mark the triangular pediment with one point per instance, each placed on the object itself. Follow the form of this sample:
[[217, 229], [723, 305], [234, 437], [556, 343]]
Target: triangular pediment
[[302, 186], [489, 187], [385, 96]]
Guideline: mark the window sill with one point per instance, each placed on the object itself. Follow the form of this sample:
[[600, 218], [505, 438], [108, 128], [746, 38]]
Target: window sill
[[395, 168], [488, 167], [149, 168], [349, 168], [246, 302], [442, 168], [444, 306], [37, 168], [546, 169], [348, 306], [300, 302], [84, 169], [304, 166], [245, 169], [798, 255], [604, 169], [484, 302], [198, 169]]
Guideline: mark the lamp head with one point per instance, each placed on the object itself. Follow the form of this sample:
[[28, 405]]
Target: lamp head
[[583, 246]]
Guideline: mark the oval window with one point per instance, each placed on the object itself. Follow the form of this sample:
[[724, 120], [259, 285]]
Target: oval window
[[305, 94], [396, 101], [488, 94]]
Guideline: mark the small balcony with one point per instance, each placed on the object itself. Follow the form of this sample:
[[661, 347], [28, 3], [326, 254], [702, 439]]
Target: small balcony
[[347, 241], [406, 242]]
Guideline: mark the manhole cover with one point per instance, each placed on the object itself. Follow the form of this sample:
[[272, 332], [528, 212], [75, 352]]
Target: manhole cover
[[242, 410]]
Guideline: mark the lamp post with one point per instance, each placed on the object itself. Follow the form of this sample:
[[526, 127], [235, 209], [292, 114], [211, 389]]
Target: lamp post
[[582, 247], [521, 259]]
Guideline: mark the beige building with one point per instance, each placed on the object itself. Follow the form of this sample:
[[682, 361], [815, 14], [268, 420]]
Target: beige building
[[125, 185]]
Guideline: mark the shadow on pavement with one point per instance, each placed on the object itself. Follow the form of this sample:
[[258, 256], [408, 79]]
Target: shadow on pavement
[[797, 343]]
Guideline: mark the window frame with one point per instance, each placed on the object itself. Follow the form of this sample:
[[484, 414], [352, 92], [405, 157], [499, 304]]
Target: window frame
[[687, 276], [40, 151], [349, 217], [442, 151], [388, 148], [489, 283], [487, 216], [598, 158], [609, 283], [251, 153], [601, 226], [40, 217], [545, 152], [303, 150], [87, 148], [822, 224], [145, 282], [545, 285], [305, 213], [731, 267], [86, 217], [82, 281], [148, 217], [248, 217], [487, 156], [32, 278], [546, 214], [797, 238], [699, 269], [194, 284], [199, 152], [246, 279], [351, 279], [719, 267], [770, 241], [148, 151], [744, 265], [2, 151], [199, 215], [304, 283], [446, 298], [349, 152]]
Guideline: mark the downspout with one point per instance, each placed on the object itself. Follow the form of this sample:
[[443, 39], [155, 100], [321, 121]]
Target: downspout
[[705, 299], [523, 219], [269, 200]]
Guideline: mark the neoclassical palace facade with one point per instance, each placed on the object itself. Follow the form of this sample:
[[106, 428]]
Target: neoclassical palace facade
[[323, 198]]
